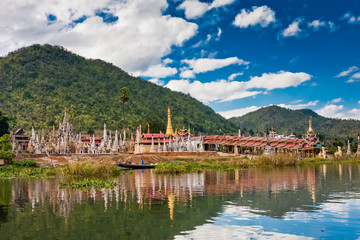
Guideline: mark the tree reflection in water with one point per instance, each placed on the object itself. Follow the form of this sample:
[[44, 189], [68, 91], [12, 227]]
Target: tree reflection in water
[[164, 206]]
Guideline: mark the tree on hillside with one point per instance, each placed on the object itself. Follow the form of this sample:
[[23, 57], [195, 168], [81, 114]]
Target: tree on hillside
[[5, 149], [124, 97], [4, 124]]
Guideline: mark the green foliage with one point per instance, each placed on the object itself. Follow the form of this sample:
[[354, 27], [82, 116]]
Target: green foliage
[[39, 81], [228, 164], [24, 172], [26, 163], [5, 149], [89, 184], [83, 169], [286, 121], [4, 124]]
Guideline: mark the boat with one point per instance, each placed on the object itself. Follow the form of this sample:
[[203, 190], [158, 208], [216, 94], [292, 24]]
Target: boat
[[135, 166]]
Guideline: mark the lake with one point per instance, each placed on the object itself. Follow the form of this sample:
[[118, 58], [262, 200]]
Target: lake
[[315, 202]]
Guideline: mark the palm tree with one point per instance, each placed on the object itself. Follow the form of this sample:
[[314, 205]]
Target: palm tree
[[124, 97]]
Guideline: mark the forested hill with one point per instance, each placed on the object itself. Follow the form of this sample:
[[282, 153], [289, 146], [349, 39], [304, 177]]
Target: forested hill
[[38, 82], [285, 121]]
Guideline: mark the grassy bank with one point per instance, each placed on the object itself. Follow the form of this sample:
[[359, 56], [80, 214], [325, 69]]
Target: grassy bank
[[28, 168], [184, 165]]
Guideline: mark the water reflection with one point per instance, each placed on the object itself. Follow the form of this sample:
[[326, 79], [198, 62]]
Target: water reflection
[[243, 203]]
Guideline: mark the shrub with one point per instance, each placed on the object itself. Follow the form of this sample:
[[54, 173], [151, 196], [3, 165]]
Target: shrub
[[27, 163]]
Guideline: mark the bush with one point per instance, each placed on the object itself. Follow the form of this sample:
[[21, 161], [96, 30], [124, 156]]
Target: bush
[[5, 149], [27, 163]]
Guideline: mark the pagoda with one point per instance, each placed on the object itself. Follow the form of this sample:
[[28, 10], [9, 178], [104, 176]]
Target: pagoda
[[311, 139], [169, 129]]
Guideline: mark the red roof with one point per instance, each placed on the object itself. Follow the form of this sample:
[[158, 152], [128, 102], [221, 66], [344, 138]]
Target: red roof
[[155, 135]]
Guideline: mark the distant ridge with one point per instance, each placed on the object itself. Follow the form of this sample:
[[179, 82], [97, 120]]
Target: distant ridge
[[38, 82], [286, 121]]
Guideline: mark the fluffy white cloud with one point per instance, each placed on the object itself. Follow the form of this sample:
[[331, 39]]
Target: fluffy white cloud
[[195, 8], [242, 111], [348, 71], [262, 16], [281, 79], [299, 106], [187, 74], [202, 65], [293, 29], [318, 24], [234, 75], [351, 18], [238, 112], [139, 38], [338, 111], [220, 3], [223, 90], [158, 71]]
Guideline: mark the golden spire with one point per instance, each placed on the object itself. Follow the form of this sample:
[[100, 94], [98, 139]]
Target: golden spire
[[310, 125], [169, 130]]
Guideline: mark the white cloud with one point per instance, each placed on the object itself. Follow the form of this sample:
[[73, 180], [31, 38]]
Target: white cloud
[[140, 37], [158, 71], [238, 112], [187, 74], [299, 106], [218, 34], [338, 111], [318, 24], [281, 79], [358, 102], [347, 72], [234, 75], [157, 81], [262, 16], [293, 29], [202, 65], [336, 100], [356, 75], [242, 111], [195, 8], [223, 90], [351, 18], [220, 3]]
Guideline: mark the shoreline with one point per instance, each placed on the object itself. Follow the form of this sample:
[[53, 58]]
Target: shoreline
[[104, 167]]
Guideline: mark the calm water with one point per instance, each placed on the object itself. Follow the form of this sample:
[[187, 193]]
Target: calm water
[[290, 203]]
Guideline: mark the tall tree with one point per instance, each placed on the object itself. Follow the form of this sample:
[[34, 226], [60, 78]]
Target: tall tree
[[5, 149], [124, 97], [4, 124]]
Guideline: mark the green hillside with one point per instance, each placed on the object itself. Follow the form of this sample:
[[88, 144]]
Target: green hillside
[[286, 121], [38, 82]]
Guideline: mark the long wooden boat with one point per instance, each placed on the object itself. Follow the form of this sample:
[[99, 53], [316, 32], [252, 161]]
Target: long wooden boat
[[135, 166]]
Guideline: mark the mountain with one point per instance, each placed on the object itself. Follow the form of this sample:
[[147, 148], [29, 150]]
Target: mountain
[[38, 82], [286, 121]]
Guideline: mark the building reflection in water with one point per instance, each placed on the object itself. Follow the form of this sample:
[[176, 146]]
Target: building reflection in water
[[146, 188]]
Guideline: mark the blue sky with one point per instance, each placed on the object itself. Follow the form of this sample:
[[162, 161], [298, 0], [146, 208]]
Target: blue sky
[[235, 56]]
